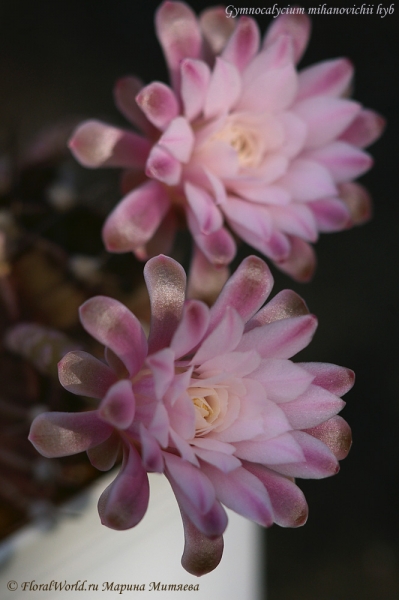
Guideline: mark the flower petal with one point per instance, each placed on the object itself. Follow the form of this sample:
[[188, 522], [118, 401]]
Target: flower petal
[[300, 263], [336, 380], [205, 281], [335, 434], [95, 144], [158, 103], [328, 78], [224, 89], [191, 328], [178, 139], [162, 366], [164, 167], [61, 434], [245, 291], [113, 325], [243, 44], [125, 92], [135, 219], [319, 461], [331, 214], [280, 339], [192, 481], [104, 456], [81, 373], [166, 282], [365, 129], [124, 502], [344, 161], [179, 35], [296, 26], [357, 200], [204, 209], [222, 339], [311, 408], [282, 379], [284, 305], [216, 28], [118, 405], [195, 76], [201, 554]]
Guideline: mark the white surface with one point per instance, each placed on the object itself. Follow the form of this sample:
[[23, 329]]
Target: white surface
[[79, 548]]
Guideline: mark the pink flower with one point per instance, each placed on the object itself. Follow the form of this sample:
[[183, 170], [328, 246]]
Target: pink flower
[[240, 143], [211, 399]]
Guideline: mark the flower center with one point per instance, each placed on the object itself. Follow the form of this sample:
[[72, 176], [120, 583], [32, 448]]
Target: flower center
[[245, 140], [207, 407]]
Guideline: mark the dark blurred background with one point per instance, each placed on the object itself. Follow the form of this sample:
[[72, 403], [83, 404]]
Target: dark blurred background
[[60, 59]]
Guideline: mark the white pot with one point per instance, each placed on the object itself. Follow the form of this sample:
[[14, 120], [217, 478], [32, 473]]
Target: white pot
[[78, 552]]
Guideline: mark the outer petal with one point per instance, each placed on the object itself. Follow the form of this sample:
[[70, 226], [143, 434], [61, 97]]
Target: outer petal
[[195, 76], [335, 434], [282, 379], [61, 434], [328, 78], [179, 35], [280, 339], [178, 139], [284, 305], [95, 144], [216, 28], [243, 493], [319, 461], [135, 219], [192, 481], [336, 380], [124, 503], [164, 167], [81, 373], [125, 92], [330, 214], [358, 201], [104, 456], [224, 338], [245, 291], [201, 555], [243, 45], [311, 408], [224, 89], [191, 328], [297, 27], [365, 129], [205, 280], [300, 264], [119, 405], [207, 214], [159, 104], [166, 283], [218, 247], [344, 161], [113, 325], [288, 501]]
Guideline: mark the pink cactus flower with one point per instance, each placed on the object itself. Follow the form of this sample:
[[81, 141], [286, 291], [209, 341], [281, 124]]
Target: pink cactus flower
[[240, 143], [211, 399]]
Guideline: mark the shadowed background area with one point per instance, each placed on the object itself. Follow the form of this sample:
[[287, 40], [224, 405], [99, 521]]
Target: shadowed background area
[[61, 59]]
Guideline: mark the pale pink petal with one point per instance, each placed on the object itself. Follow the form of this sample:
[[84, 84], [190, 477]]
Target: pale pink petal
[[205, 281], [118, 405], [201, 554], [288, 501], [191, 329], [296, 26], [135, 219], [61, 434], [166, 283], [336, 380], [216, 28], [124, 503], [224, 89], [158, 103], [220, 460], [319, 460], [245, 291], [365, 129], [159, 426], [326, 118], [280, 339], [243, 44], [95, 144], [223, 338], [344, 161], [331, 214], [177, 441], [242, 492], [358, 201], [162, 366], [284, 305], [104, 456], [195, 76], [260, 191], [300, 264], [151, 454], [178, 139], [179, 35], [81, 373], [125, 92], [239, 364], [217, 187], [295, 219], [203, 206], [164, 167], [113, 325], [255, 218], [218, 247], [328, 78], [276, 245], [295, 134], [313, 407], [179, 386], [274, 90], [307, 180], [218, 157], [192, 481], [212, 524], [282, 379], [334, 433], [276, 56], [278, 450]]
